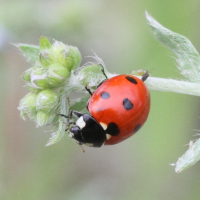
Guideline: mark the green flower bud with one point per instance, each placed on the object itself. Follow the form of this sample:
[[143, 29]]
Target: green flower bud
[[91, 75], [57, 73], [44, 119], [32, 89], [27, 75], [32, 116], [68, 56], [44, 58], [58, 52], [39, 78], [41, 83], [58, 70], [47, 101], [28, 104], [23, 114], [44, 43], [73, 58]]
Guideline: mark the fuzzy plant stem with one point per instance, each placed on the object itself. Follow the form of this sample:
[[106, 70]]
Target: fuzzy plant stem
[[170, 85]]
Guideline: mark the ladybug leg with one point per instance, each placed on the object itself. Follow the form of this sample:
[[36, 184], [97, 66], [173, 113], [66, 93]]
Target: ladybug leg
[[72, 123], [76, 113], [103, 71], [104, 75], [65, 116], [72, 112], [145, 76], [89, 91]]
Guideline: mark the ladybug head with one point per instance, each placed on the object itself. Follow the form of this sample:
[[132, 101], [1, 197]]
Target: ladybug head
[[75, 133], [87, 131]]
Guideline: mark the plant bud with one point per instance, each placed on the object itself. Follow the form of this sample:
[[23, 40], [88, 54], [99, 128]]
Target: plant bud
[[73, 58], [39, 78], [27, 75], [57, 73], [44, 58], [44, 43], [44, 119], [22, 114], [32, 116], [28, 104], [32, 89], [58, 52], [90, 75], [68, 56], [47, 101]]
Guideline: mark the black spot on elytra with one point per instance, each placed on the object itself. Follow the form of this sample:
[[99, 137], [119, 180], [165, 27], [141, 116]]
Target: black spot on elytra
[[131, 79], [127, 104], [112, 129], [105, 95], [137, 128]]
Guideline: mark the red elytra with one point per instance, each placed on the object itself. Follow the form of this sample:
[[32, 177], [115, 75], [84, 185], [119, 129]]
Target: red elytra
[[125, 102]]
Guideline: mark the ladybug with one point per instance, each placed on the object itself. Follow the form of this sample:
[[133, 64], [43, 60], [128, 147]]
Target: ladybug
[[118, 109]]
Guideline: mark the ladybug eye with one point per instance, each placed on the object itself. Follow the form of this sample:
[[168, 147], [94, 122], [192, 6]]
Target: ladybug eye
[[75, 130]]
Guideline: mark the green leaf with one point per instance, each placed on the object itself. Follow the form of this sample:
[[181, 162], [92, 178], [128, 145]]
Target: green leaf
[[188, 58], [55, 137], [80, 104], [31, 52], [189, 158], [44, 43]]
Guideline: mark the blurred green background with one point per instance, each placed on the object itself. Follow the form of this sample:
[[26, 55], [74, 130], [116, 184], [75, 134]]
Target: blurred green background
[[116, 31]]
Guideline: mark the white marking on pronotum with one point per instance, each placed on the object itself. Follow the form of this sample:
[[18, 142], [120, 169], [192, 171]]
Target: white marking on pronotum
[[104, 126], [80, 122], [108, 136]]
